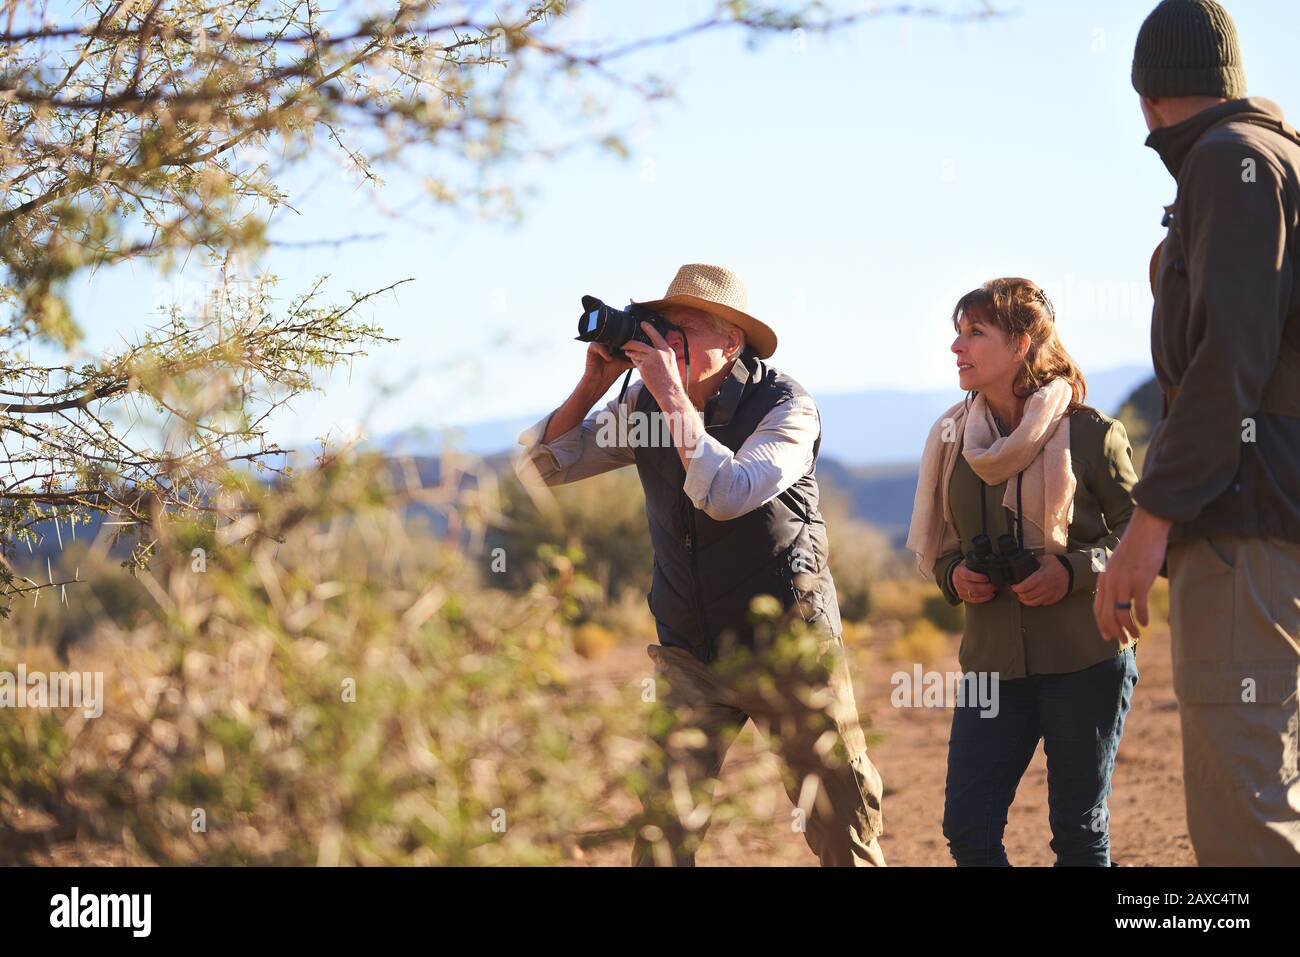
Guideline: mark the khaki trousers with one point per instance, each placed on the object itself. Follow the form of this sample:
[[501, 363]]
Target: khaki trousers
[[810, 717], [1235, 625]]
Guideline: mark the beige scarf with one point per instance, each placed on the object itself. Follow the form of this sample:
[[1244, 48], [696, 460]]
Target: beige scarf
[[1039, 447]]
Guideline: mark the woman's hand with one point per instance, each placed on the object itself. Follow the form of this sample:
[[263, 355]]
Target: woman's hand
[[1046, 586], [971, 587]]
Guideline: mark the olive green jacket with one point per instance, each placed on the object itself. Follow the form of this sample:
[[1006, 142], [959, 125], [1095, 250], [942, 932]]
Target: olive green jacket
[[1014, 640]]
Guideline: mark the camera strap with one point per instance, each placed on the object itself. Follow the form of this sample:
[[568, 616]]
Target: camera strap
[[627, 380], [1020, 510]]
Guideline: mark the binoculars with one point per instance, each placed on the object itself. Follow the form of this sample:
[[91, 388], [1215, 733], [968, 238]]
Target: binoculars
[[1009, 565]]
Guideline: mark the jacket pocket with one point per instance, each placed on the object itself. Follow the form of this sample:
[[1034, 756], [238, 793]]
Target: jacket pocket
[[801, 573], [1285, 583], [1202, 603], [1223, 551], [1234, 614], [1267, 610]]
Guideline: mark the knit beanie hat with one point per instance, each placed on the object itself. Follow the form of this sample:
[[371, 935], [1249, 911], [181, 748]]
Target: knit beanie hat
[[1189, 48]]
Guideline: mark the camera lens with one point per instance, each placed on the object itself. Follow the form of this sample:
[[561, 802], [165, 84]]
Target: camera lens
[[610, 327], [592, 321]]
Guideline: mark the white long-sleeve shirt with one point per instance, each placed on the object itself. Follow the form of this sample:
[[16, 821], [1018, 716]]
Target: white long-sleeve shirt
[[722, 484]]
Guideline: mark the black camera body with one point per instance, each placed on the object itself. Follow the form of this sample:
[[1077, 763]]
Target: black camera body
[[615, 328], [1009, 565]]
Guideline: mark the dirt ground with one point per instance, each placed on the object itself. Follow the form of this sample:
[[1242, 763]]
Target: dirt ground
[[1148, 822]]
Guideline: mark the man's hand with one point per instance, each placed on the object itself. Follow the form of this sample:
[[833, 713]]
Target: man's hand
[[1046, 586], [1123, 588], [661, 373], [971, 587], [602, 369], [658, 366]]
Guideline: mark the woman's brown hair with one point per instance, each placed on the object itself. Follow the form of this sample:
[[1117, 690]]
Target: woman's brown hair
[[1019, 307]]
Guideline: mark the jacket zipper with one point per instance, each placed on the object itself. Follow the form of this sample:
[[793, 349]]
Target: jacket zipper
[[696, 599]]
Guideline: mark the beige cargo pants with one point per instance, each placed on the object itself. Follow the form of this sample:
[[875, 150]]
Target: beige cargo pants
[[810, 718], [1235, 624]]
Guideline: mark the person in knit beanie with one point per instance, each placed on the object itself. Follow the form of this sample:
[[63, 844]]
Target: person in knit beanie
[[1218, 504], [1189, 48]]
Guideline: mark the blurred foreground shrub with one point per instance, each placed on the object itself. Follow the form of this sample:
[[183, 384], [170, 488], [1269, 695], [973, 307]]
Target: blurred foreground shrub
[[313, 680], [921, 642], [602, 517], [322, 688], [945, 617], [899, 599]]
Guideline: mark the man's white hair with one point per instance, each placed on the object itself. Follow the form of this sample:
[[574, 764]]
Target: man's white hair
[[716, 323]]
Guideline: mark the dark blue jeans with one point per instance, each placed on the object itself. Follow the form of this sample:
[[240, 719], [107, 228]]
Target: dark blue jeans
[[1080, 719]]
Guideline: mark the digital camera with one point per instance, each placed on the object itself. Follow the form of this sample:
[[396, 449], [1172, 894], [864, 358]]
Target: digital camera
[[615, 328]]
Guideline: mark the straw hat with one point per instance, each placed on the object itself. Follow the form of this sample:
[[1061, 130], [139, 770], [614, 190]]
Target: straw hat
[[718, 291]]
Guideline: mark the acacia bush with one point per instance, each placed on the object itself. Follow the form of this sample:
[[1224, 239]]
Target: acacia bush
[[602, 517], [310, 680], [330, 688]]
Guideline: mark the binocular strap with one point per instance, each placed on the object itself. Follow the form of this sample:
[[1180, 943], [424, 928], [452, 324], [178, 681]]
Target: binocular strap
[[1020, 510]]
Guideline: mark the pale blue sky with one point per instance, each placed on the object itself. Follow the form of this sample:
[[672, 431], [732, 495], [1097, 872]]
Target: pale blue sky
[[859, 186]]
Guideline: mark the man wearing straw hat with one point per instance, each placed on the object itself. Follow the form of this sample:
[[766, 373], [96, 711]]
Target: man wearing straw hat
[[732, 504]]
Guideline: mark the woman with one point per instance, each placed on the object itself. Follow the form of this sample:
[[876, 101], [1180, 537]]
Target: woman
[[1023, 457]]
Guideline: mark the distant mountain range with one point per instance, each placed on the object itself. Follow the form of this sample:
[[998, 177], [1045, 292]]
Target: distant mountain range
[[868, 428], [871, 446], [871, 441]]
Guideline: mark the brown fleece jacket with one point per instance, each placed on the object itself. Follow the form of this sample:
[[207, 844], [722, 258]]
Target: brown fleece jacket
[[1225, 334]]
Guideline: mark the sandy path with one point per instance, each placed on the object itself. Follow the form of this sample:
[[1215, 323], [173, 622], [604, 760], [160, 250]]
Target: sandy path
[[1148, 824]]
